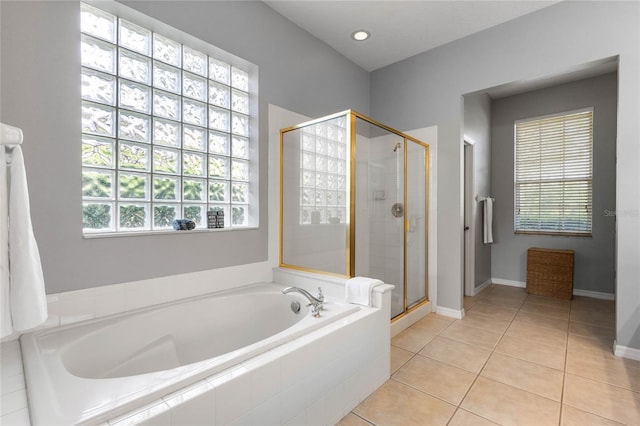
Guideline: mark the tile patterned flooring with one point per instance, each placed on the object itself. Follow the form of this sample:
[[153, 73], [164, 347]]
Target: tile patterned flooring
[[514, 359]]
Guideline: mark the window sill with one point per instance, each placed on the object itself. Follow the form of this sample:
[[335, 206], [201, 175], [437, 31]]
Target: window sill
[[554, 234], [90, 236]]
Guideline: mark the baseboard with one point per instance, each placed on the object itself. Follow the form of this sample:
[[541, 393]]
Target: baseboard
[[626, 352], [594, 294], [448, 312], [511, 283], [576, 291], [481, 287]]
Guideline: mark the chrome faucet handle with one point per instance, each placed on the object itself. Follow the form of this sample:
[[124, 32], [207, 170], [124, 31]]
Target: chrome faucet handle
[[315, 309], [320, 297]]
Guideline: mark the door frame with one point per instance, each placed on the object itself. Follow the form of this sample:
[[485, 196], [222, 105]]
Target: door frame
[[469, 251]]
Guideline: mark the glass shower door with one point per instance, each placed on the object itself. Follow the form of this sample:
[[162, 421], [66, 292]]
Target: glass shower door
[[380, 198], [416, 227]]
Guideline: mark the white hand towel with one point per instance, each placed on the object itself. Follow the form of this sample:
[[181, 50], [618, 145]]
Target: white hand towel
[[358, 290], [5, 296], [28, 298], [488, 221]]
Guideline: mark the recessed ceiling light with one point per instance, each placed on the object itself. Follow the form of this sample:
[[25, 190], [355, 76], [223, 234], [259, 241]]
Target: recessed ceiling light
[[360, 35]]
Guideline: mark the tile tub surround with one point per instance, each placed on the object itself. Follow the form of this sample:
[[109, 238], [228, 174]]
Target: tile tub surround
[[513, 359], [13, 408], [377, 330], [74, 306], [316, 379]]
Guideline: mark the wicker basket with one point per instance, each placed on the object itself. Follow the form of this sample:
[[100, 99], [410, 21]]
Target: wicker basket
[[550, 273]]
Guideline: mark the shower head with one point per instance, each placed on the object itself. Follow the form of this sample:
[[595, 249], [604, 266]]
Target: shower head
[[398, 145]]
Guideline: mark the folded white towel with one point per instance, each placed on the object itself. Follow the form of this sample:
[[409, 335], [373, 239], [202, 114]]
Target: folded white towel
[[488, 221], [358, 290]]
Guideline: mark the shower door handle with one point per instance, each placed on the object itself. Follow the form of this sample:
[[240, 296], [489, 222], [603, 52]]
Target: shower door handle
[[466, 228]]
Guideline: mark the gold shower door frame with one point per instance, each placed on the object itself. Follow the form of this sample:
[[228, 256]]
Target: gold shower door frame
[[352, 116]]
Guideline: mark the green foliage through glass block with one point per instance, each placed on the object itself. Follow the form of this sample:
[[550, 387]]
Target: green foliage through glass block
[[132, 216], [238, 215], [193, 164], [192, 190], [133, 157], [164, 189], [240, 193], [193, 213], [133, 186], [165, 161], [163, 216], [97, 152], [218, 191], [96, 216], [96, 184]]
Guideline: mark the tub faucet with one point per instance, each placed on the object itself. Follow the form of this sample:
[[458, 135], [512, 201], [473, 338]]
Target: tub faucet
[[314, 302]]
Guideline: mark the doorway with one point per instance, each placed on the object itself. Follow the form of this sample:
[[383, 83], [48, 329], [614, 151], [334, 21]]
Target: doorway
[[469, 236]]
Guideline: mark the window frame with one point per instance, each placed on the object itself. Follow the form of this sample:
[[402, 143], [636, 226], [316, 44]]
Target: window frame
[[588, 180], [186, 42]]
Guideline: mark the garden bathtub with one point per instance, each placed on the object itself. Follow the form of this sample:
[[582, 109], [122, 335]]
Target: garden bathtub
[[93, 371]]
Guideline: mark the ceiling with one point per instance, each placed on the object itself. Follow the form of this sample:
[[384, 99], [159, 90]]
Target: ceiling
[[399, 29]]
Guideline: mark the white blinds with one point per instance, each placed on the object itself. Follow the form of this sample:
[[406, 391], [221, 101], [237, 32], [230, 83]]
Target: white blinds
[[553, 172]]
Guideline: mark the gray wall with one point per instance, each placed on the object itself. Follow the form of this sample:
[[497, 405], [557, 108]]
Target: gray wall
[[40, 81], [594, 256], [477, 127], [426, 90]]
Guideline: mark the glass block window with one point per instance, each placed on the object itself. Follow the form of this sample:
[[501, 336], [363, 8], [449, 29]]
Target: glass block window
[[165, 130], [323, 169], [553, 174]]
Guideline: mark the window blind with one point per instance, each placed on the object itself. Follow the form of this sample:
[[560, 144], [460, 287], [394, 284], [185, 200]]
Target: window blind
[[553, 174]]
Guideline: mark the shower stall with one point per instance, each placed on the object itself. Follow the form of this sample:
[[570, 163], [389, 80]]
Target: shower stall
[[353, 202]]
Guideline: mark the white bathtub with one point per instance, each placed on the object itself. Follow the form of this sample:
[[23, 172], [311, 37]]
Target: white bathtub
[[94, 371]]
